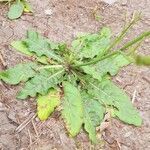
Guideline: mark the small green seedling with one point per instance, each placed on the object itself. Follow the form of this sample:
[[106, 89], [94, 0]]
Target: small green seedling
[[76, 78], [17, 7]]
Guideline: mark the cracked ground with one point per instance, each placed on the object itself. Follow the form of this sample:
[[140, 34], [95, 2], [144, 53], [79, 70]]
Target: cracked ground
[[67, 19]]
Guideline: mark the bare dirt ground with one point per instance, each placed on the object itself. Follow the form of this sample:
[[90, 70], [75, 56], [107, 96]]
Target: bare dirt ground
[[67, 19]]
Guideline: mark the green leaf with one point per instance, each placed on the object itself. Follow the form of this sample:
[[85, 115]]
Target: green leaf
[[15, 10], [111, 65], [41, 83], [42, 59], [92, 71], [40, 46], [47, 103], [21, 72], [21, 47], [93, 115], [72, 108], [110, 95], [90, 45], [105, 32]]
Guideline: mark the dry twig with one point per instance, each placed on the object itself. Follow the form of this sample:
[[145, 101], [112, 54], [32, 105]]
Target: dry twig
[[30, 137], [134, 96], [25, 123], [35, 129]]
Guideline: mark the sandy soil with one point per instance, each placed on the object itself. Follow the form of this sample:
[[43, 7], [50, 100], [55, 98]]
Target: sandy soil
[[67, 19]]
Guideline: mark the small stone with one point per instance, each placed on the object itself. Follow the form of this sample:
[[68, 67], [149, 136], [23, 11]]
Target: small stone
[[127, 134], [2, 107], [37, 119], [110, 2], [48, 12], [124, 3], [147, 41], [12, 116]]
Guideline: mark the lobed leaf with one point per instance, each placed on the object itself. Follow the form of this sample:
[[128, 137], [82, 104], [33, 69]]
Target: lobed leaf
[[21, 47], [110, 95], [72, 108], [112, 65], [40, 46], [47, 103], [90, 45], [21, 72], [93, 115], [41, 83]]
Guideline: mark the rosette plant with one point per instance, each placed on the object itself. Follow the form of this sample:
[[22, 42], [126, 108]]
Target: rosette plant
[[76, 78]]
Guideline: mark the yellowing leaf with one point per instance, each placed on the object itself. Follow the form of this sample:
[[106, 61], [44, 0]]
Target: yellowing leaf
[[72, 109], [47, 103], [142, 60], [27, 7]]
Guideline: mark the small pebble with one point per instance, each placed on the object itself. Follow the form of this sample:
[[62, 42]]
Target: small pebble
[[110, 2], [127, 134], [124, 3], [2, 107], [147, 41], [48, 12]]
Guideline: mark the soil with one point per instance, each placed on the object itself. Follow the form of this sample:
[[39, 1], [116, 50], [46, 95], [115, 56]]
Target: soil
[[65, 20]]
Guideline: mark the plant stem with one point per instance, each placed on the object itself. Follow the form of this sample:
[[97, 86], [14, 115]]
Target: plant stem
[[133, 49], [139, 38], [97, 59], [124, 31]]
